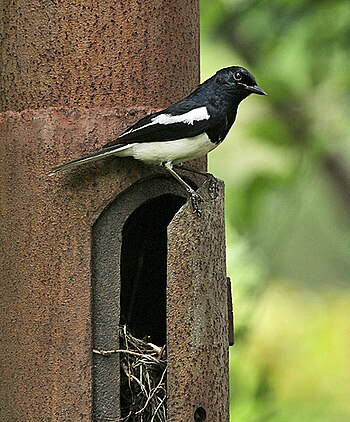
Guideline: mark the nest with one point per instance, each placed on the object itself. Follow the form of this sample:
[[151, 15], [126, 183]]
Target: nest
[[143, 379], [143, 368]]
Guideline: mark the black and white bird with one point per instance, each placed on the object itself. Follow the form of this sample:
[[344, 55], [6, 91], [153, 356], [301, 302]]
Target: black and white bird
[[187, 129]]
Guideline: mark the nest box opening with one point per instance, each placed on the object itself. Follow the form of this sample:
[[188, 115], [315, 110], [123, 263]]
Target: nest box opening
[[144, 267], [129, 284]]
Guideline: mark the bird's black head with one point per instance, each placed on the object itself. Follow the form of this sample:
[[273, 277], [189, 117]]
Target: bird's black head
[[239, 81]]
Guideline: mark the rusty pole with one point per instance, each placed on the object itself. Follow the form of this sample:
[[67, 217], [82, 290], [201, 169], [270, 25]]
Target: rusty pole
[[74, 73]]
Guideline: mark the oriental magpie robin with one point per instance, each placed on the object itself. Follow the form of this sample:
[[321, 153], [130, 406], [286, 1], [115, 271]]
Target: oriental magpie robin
[[188, 129]]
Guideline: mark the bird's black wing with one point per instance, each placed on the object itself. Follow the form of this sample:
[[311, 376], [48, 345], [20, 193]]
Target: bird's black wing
[[186, 118]]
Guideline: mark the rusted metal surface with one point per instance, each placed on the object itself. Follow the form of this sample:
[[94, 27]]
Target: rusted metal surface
[[108, 53], [120, 58], [45, 288], [197, 320]]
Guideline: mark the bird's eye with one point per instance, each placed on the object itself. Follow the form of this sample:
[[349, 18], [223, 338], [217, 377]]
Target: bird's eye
[[237, 76]]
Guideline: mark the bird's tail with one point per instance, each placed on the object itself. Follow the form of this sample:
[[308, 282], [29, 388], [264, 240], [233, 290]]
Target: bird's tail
[[94, 156]]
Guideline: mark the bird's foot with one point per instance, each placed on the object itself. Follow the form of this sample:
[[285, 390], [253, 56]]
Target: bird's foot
[[213, 187], [196, 199]]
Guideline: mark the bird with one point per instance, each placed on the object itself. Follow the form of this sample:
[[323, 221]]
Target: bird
[[187, 129]]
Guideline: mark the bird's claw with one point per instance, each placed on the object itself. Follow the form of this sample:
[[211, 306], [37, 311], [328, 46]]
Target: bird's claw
[[196, 199]]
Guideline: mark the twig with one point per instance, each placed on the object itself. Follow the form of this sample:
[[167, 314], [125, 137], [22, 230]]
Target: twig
[[152, 394], [110, 352], [158, 407]]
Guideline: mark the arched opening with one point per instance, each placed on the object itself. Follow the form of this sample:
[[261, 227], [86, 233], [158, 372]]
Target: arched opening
[[143, 267], [129, 263]]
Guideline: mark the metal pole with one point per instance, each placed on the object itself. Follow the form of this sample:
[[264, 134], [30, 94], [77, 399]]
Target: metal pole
[[74, 74]]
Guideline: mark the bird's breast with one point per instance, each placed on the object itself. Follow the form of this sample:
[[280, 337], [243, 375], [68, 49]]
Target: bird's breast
[[175, 152]]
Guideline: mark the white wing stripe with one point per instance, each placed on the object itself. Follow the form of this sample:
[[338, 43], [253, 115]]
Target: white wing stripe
[[197, 114]]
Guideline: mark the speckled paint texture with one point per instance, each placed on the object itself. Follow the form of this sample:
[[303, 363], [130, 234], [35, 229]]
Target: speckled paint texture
[[98, 53]]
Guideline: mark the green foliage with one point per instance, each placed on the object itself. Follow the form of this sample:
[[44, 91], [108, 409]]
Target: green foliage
[[293, 144], [293, 363], [286, 168]]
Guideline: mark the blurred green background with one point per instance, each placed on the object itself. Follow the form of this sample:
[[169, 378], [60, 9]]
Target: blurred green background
[[286, 165]]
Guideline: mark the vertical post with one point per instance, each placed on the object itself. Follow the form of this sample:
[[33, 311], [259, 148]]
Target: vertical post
[[74, 74], [197, 323]]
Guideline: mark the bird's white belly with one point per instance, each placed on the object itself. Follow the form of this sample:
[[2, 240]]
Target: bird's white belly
[[174, 152]]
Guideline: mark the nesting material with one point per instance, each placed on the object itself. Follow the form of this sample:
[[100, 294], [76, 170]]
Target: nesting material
[[143, 380], [143, 368]]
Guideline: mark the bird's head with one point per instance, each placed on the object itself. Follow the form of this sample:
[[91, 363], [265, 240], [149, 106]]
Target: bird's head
[[238, 81]]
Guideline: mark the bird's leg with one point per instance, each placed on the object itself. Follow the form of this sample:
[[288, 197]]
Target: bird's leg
[[195, 197], [192, 170], [213, 186]]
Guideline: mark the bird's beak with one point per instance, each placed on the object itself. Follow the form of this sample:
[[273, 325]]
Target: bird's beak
[[256, 90]]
